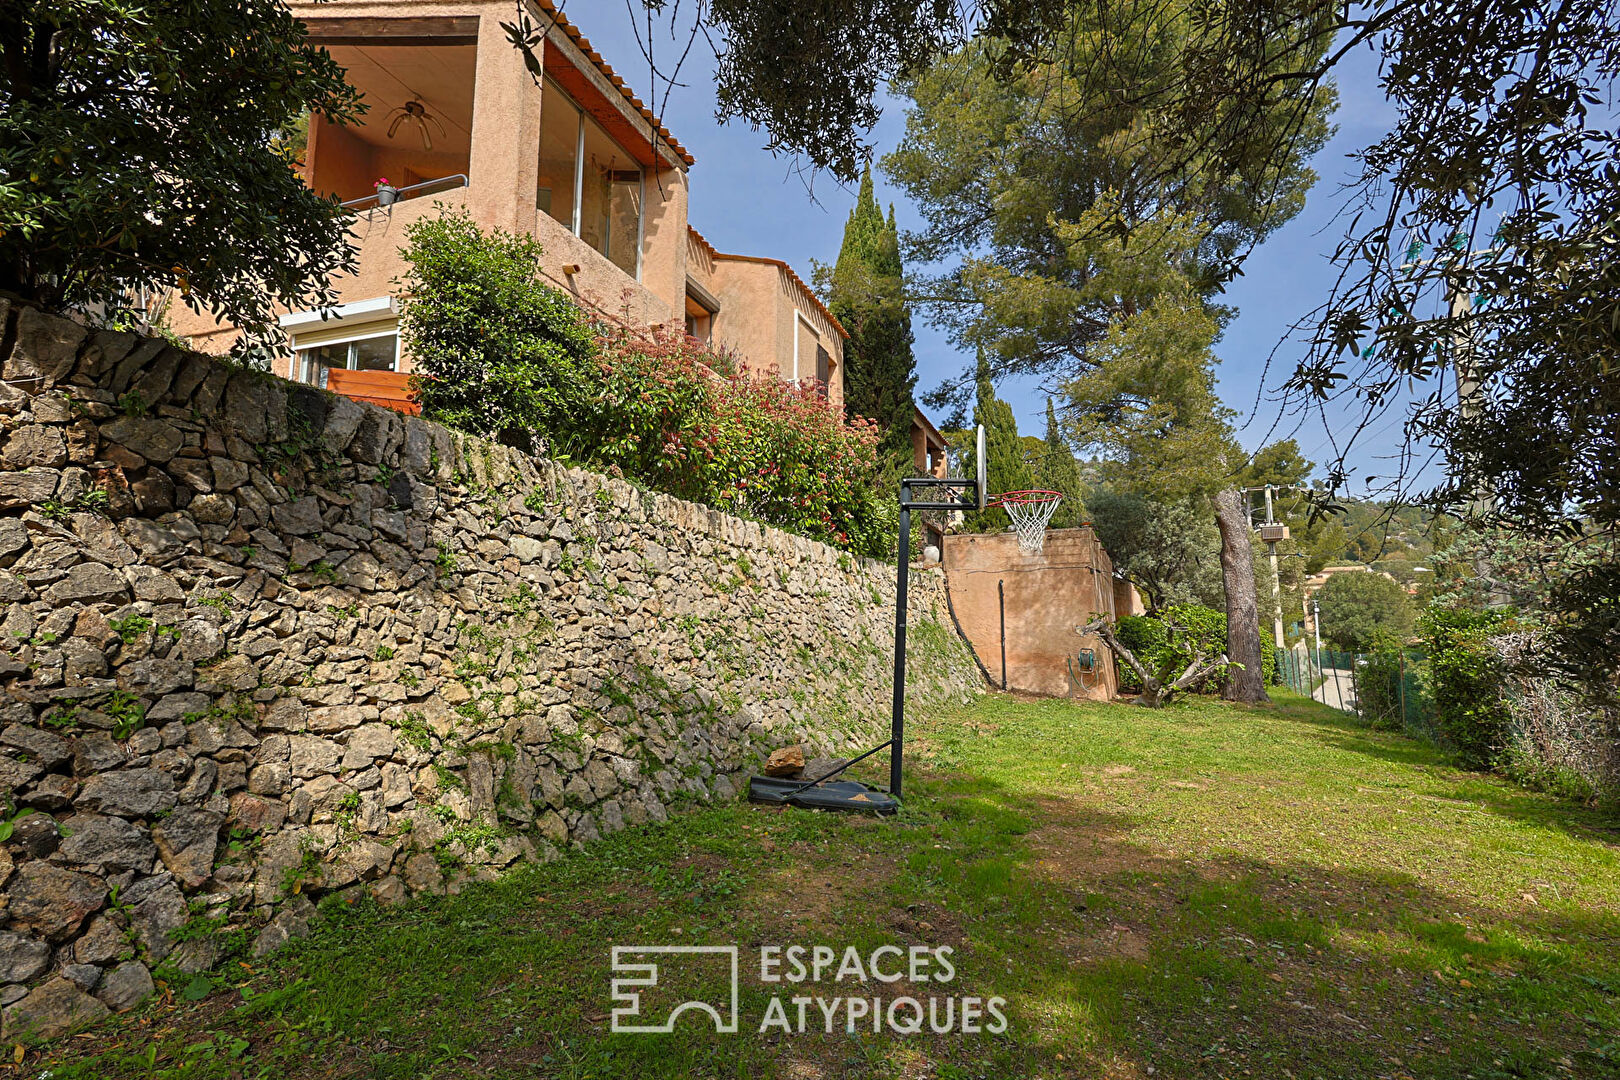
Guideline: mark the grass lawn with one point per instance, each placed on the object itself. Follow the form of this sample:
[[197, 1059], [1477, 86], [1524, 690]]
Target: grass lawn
[[1204, 891]]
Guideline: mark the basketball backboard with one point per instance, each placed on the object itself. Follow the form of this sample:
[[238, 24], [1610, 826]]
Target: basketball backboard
[[980, 468]]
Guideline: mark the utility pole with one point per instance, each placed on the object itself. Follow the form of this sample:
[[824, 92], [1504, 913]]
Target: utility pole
[[1273, 532]]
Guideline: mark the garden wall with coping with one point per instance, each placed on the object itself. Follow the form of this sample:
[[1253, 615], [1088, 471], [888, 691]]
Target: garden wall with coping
[[261, 643]]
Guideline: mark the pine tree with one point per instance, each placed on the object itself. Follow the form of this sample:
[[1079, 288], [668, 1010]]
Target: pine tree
[[1057, 470], [867, 297], [1005, 466]]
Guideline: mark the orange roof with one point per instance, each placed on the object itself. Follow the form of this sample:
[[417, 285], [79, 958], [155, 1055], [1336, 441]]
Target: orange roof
[[584, 45], [784, 267]]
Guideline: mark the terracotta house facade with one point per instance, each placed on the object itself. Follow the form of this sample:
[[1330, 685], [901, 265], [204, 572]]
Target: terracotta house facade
[[577, 160]]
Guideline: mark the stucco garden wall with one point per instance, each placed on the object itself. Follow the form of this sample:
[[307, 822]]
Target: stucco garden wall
[[260, 643]]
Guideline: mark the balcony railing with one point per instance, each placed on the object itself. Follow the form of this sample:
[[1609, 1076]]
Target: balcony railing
[[426, 187]]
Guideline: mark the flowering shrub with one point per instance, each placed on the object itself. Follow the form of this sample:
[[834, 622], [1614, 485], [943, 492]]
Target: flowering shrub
[[662, 411], [503, 355]]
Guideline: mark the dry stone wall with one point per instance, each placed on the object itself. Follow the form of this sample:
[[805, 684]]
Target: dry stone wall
[[261, 643]]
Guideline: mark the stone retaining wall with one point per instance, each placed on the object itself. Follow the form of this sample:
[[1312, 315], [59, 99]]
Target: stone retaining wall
[[261, 643]]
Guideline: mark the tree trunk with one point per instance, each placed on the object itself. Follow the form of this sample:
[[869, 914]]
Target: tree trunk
[[1154, 693], [1245, 681]]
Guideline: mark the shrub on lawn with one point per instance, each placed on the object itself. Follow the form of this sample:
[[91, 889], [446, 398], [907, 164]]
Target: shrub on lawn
[[1378, 683], [1468, 677], [1164, 643]]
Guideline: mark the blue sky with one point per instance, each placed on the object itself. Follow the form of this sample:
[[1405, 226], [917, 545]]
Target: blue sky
[[745, 201]]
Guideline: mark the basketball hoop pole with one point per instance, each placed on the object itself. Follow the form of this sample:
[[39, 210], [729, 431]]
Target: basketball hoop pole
[[897, 721]]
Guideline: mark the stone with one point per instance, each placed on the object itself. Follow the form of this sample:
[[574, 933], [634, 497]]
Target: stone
[[285, 714], [44, 748], [389, 891], [154, 440], [34, 444], [129, 793], [312, 756], [89, 583], [33, 486], [157, 916], [342, 421], [154, 494], [155, 677], [22, 959], [248, 408], [299, 518], [84, 976], [53, 1009], [271, 778], [51, 792], [187, 840], [126, 986], [108, 842], [95, 752], [229, 474], [45, 350], [212, 509], [422, 873], [257, 814], [231, 673], [194, 955], [788, 761], [200, 640], [50, 902], [336, 718], [13, 537], [102, 943], [152, 584], [367, 743], [527, 550], [36, 834], [292, 921]]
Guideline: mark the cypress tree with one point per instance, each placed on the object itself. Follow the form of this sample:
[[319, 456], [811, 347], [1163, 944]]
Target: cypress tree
[[1005, 466], [1057, 470], [867, 297]]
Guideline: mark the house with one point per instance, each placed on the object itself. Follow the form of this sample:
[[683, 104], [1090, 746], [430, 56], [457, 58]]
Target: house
[[577, 160], [929, 451]]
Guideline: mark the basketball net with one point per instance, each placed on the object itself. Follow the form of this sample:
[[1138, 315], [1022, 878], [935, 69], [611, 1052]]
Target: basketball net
[[1030, 512]]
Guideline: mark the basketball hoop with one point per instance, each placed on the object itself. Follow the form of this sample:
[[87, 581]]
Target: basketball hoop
[[1030, 512]]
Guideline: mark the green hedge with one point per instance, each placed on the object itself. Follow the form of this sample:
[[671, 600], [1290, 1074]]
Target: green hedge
[[1470, 710]]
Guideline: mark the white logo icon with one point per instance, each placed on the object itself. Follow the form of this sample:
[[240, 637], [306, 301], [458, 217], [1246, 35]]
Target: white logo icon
[[646, 974]]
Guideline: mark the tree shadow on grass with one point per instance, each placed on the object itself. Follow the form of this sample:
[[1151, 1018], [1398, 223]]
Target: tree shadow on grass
[[1226, 965], [1113, 956]]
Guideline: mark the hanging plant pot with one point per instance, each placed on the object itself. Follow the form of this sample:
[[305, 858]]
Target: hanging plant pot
[[387, 195]]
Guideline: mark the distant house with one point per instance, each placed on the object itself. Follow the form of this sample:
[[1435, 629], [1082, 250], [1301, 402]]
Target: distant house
[[578, 161]]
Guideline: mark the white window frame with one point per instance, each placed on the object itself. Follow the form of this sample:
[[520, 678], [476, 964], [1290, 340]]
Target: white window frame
[[348, 339]]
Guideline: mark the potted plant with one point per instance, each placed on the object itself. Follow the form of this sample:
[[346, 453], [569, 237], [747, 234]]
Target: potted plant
[[387, 194]]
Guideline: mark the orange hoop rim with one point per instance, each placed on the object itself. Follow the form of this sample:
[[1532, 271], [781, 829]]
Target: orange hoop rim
[[1020, 498]]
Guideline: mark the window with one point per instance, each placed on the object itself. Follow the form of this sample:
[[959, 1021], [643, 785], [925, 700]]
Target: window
[[699, 317], [559, 154], [378, 351], [805, 345], [588, 182]]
